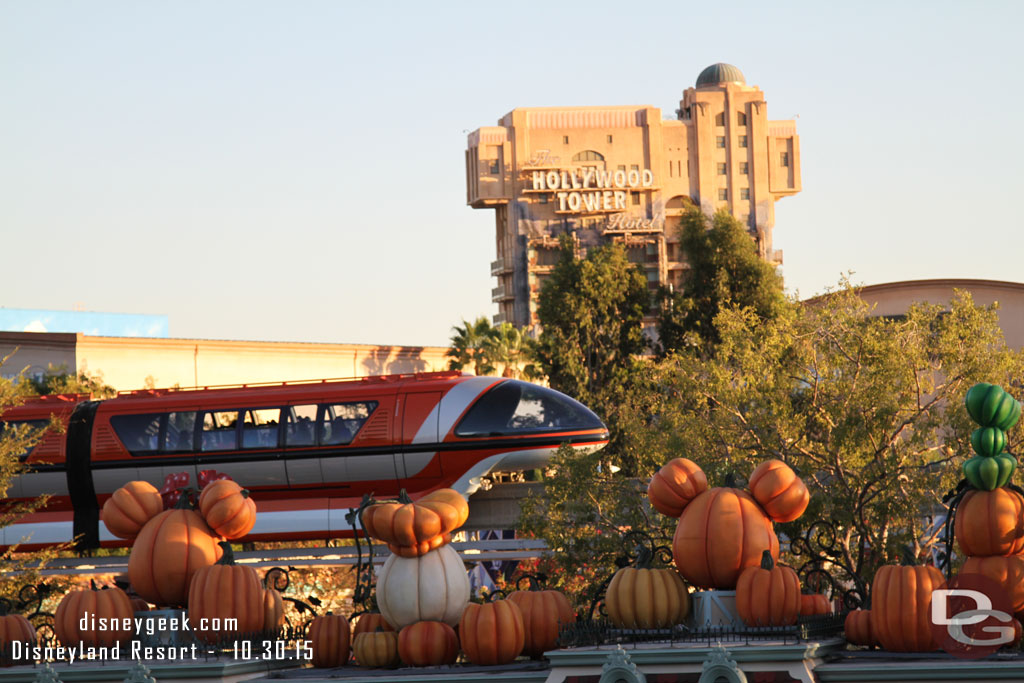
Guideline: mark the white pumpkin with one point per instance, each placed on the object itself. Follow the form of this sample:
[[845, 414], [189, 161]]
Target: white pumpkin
[[431, 587]]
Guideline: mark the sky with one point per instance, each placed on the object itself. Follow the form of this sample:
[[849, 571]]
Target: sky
[[294, 170]]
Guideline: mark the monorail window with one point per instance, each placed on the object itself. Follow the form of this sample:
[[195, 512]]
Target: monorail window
[[299, 422], [515, 407], [181, 428], [219, 430], [342, 421], [138, 433], [21, 429], [259, 427]]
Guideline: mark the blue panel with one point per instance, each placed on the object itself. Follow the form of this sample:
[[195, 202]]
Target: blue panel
[[86, 322]]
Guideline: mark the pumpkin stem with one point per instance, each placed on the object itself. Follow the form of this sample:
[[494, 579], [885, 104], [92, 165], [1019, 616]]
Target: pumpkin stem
[[644, 557], [403, 497], [244, 493], [5, 606], [186, 501], [92, 584], [908, 558], [766, 560], [229, 555]]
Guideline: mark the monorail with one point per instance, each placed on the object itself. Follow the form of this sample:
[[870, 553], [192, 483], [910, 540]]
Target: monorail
[[307, 451]]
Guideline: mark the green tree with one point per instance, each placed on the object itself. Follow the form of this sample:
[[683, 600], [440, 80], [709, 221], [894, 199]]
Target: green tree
[[507, 346], [725, 271], [57, 380], [470, 345], [591, 312], [868, 410]]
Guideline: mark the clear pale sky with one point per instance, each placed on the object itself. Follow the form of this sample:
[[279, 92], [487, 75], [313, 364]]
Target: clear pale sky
[[294, 170]]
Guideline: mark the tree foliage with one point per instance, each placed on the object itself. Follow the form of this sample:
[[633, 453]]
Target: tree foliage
[[725, 271], [869, 410], [485, 347], [57, 380], [591, 312]]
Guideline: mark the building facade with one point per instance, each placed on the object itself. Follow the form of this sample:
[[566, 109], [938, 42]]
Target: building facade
[[624, 174]]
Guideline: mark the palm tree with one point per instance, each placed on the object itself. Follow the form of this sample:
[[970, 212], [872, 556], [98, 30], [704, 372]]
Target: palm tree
[[470, 344], [506, 347]]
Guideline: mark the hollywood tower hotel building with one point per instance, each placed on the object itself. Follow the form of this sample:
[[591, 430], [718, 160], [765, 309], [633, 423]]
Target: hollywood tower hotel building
[[623, 174]]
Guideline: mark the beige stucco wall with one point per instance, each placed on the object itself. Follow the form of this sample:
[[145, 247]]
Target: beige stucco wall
[[128, 362], [894, 298]]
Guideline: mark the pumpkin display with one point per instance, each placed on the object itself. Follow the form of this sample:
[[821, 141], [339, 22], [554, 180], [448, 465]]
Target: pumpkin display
[[673, 486], [1007, 571], [988, 441], [768, 595], [492, 633], [421, 548], [417, 525], [544, 611], [329, 640], [901, 607], [428, 643], [108, 603], [990, 406], [987, 473], [168, 551], [647, 598], [720, 533], [431, 587], [227, 509], [813, 604], [130, 507], [14, 628], [371, 622], [222, 591], [779, 491], [273, 610], [990, 523], [858, 628], [378, 649]]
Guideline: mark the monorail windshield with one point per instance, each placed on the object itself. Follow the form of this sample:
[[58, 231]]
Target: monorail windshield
[[513, 408]]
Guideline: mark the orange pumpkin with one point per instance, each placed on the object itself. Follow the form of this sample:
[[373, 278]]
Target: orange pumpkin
[[168, 551], [673, 486], [492, 633], [428, 643], [273, 611], [901, 599], [111, 604], [990, 523], [720, 533], [417, 525], [140, 605], [130, 507], [371, 622], [814, 604], [227, 508], [858, 628], [779, 491], [421, 548], [329, 640], [543, 613], [225, 591], [647, 598], [1008, 572], [378, 649], [14, 628], [768, 595]]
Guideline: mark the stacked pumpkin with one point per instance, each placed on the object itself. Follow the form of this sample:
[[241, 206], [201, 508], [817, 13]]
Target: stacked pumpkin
[[990, 518], [724, 538], [423, 588], [172, 561]]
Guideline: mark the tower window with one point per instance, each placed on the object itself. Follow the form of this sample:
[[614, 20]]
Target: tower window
[[744, 193], [721, 169], [744, 168], [723, 194], [636, 199], [720, 119], [588, 155], [743, 141], [741, 118], [720, 142], [609, 139], [494, 170], [565, 139], [784, 159]]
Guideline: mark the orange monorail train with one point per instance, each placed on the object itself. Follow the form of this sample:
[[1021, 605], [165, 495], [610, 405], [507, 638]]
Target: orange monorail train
[[307, 451]]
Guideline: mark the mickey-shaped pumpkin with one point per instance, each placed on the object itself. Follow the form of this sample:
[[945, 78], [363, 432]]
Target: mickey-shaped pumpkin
[[724, 530]]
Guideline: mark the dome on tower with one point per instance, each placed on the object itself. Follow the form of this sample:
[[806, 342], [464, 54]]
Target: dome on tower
[[720, 73]]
